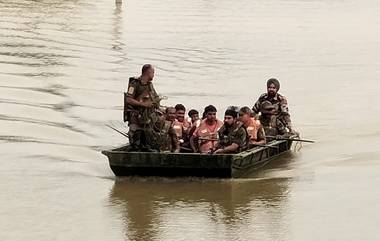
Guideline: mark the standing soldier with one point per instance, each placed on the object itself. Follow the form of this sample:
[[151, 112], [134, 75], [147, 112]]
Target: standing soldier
[[278, 101], [140, 102]]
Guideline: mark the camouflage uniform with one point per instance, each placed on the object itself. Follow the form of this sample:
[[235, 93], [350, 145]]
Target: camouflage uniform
[[166, 136], [274, 127], [236, 134], [281, 107], [140, 119]]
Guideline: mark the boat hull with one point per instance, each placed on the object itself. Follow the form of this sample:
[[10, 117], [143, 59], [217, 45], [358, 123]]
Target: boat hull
[[125, 163]]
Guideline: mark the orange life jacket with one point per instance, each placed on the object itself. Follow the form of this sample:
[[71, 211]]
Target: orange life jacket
[[252, 129], [204, 131], [178, 127]]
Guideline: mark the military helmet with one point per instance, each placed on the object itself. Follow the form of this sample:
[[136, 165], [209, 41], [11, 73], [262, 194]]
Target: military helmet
[[267, 106]]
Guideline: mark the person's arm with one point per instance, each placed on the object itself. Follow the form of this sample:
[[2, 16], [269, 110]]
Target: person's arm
[[239, 140], [174, 140], [261, 140], [133, 102], [192, 144], [130, 97], [229, 149], [125, 110], [256, 107], [284, 108]]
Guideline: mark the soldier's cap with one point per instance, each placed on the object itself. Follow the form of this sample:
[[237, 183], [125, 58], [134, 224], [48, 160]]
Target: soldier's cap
[[267, 106], [275, 82]]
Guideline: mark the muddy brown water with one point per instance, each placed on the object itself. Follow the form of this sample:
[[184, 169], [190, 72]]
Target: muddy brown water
[[64, 66]]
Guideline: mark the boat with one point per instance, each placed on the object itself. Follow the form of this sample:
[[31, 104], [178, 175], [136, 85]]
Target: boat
[[124, 163]]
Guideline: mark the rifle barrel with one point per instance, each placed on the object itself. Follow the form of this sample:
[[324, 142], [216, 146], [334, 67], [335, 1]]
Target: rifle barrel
[[274, 147]]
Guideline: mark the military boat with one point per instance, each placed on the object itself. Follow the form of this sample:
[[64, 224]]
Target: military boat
[[124, 163]]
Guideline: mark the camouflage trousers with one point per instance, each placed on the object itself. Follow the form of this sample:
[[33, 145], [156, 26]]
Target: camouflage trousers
[[142, 138]]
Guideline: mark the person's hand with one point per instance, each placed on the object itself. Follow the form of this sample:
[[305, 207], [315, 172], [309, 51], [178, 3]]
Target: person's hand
[[279, 137], [295, 133], [219, 151], [147, 104]]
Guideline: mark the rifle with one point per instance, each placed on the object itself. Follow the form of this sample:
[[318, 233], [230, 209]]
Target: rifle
[[254, 145], [186, 149], [207, 139], [290, 139]]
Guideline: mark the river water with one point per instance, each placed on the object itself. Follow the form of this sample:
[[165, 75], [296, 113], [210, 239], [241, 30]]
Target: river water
[[64, 66]]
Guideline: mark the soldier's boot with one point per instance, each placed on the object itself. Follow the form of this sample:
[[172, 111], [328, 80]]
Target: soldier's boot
[[145, 145], [130, 148], [135, 141]]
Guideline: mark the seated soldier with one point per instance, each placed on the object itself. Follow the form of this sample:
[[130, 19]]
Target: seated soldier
[[206, 134], [232, 135], [273, 126], [254, 128], [166, 136]]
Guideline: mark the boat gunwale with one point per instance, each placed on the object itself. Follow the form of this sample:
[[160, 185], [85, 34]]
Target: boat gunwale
[[240, 154]]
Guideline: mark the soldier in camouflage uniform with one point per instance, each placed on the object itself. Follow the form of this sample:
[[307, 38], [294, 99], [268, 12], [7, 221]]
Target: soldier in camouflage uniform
[[273, 126], [232, 135], [140, 102], [277, 100], [166, 136]]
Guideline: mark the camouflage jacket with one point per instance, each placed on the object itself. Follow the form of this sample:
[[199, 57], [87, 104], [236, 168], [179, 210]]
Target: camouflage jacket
[[281, 107], [236, 134], [140, 92], [166, 136], [273, 126]]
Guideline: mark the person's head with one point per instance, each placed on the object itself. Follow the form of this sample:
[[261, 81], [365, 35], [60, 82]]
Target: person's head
[[210, 112], [230, 117], [194, 115], [267, 108], [245, 114], [147, 72], [273, 86], [170, 114], [180, 112]]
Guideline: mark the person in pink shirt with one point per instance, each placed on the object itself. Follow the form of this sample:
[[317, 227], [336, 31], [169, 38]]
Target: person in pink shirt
[[206, 134]]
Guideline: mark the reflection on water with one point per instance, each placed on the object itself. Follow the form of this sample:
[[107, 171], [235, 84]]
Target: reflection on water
[[157, 209]]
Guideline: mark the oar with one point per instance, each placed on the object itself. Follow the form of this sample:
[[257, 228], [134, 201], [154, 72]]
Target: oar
[[291, 139], [120, 132]]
